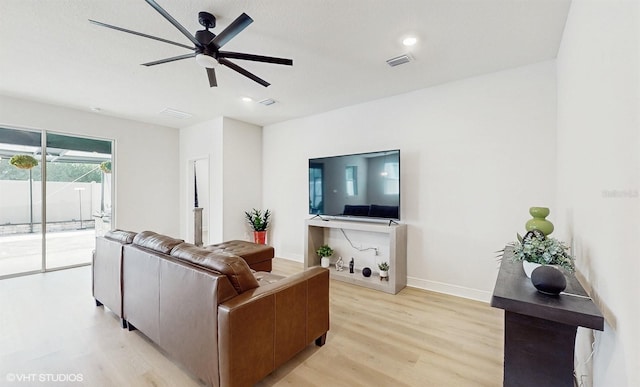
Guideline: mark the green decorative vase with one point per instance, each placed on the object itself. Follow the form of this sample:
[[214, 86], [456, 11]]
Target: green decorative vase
[[539, 222]]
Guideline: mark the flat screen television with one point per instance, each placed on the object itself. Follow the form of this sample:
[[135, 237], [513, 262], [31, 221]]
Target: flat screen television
[[363, 185]]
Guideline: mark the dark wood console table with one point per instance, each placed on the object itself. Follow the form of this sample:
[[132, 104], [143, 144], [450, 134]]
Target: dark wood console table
[[540, 330]]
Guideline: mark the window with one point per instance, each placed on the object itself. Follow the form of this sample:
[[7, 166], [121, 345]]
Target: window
[[351, 174], [391, 178], [315, 189], [74, 176]]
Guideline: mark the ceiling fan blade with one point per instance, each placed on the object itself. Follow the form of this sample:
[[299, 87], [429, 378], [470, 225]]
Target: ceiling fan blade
[[242, 71], [257, 58], [157, 62], [232, 30], [211, 73], [139, 34], [174, 22]]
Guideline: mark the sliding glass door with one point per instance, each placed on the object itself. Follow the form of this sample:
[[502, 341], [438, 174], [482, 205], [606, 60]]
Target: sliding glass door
[[78, 196], [20, 202], [77, 203]]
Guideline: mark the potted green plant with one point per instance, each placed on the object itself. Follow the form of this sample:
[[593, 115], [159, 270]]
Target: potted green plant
[[325, 252], [259, 222], [105, 166], [384, 270], [23, 161], [535, 249]]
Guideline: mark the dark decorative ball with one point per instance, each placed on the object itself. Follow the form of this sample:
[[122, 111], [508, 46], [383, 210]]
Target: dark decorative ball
[[548, 280], [366, 272]]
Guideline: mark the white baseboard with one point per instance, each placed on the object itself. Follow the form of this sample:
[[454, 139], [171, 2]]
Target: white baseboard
[[291, 257], [434, 286], [454, 290]]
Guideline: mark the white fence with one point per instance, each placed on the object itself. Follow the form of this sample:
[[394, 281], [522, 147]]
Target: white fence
[[65, 201]]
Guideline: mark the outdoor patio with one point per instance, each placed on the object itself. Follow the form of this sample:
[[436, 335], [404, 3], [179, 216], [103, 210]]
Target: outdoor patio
[[23, 252]]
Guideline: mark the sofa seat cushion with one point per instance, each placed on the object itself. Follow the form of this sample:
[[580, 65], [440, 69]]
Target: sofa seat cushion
[[234, 267], [121, 236], [257, 256], [157, 242]]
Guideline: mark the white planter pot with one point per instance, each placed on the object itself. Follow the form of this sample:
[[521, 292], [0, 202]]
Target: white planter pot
[[529, 267], [325, 262], [384, 274]]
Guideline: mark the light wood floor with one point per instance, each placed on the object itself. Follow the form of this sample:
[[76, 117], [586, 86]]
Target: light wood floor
[[49, 325]]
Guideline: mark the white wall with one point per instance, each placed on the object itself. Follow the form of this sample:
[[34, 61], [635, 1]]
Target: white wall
[[598, 177], [475, 155], [145, 166], [242, 176], [198, 142], [234, 149]]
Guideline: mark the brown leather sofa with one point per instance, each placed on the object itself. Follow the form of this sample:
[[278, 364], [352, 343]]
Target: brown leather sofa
[[208, 310], [107, 270], [257, 256], [107, 284]]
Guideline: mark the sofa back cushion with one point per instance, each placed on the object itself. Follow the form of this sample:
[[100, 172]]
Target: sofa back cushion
[[232, 266], [377, 211], [122, 236], [153, 241]]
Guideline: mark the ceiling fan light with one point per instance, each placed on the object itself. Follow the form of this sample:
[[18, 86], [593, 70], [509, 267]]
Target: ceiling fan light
[[206, 61]]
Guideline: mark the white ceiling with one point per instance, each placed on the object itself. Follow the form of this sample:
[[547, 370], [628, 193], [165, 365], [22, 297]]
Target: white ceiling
[[50, 53]]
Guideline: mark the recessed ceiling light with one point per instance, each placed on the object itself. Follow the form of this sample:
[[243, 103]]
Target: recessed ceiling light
[[247, 99], [409, 41], [95, 109]]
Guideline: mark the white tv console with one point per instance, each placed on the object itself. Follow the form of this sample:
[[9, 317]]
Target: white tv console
[[316, 234]]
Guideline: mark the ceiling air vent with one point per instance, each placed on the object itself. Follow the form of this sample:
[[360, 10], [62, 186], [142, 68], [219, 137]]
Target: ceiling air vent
[[267, 102], [168, 112], [398, 60]]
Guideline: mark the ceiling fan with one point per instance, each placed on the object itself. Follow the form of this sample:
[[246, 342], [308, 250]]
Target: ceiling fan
[[207, 45]]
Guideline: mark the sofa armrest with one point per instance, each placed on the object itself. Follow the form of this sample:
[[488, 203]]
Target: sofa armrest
[[106, 272], [262, 328]]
